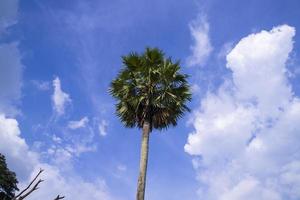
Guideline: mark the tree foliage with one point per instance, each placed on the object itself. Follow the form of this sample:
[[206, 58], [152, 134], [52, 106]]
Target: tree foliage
[[8, 181], [150, 88]]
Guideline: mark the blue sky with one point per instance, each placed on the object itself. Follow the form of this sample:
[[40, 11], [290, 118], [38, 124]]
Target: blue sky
[[57, 59]]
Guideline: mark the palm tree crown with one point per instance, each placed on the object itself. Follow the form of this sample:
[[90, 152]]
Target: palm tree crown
[[150, 88]]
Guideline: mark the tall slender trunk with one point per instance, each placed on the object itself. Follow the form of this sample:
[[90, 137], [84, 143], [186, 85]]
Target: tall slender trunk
[[143, 162]]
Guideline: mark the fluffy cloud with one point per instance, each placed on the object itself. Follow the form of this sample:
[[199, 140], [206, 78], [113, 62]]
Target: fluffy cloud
[[245, 138], [78, 124], [71, 187], [15, 148], [202, 48], [26, 162], [60, 98]]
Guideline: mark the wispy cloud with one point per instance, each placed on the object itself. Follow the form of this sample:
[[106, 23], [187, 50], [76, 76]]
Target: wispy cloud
[[8, 14], [41, 85], [122, 168], [10, 61], [59, 179], [103, 127], [201, 48], [78, 124], [10, 77], [21, 159], [70, 142], [60, 99]]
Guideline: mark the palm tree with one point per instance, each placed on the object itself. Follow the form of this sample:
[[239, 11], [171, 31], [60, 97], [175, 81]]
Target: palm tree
[[151, 94]]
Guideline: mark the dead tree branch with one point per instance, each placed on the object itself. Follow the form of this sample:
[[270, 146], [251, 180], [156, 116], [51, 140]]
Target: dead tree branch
[[59, 197], [29, 189], [20, 194], [35, 187]]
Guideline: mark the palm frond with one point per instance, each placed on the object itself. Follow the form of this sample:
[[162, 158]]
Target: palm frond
[[150, 88]]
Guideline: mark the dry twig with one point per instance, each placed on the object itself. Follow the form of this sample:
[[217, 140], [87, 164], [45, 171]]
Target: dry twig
[[59, 197], [28, 190]]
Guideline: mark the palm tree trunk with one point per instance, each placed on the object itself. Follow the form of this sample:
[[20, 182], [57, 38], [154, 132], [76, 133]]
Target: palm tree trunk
[[143, 162]]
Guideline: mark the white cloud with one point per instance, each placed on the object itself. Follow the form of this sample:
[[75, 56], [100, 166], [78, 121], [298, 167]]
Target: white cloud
[[248, 189], [103, 127], [63, 151], [15, 148], [61, 156], [71, 187], [260, 59], [26, 162], [246, 133], [78, 124], [202, 48], [60, 98], [56, 139], [70, 142]]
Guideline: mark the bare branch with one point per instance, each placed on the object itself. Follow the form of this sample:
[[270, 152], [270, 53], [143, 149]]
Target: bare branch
[[35, 178], [27, 191], [35, 187], [59, 197]]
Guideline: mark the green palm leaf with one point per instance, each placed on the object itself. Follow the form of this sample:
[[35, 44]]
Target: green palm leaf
[[150, 88]]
